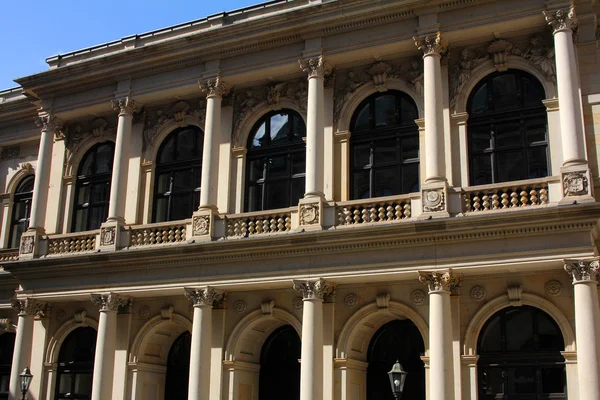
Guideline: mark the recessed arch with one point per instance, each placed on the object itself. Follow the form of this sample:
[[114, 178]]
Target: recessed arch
[[56, 341], [249, 335], [356, 335], [154, 340]]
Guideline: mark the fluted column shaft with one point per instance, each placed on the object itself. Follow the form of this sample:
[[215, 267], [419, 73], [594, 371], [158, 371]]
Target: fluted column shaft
[[570, 107], [316, 69], [106, 344], [441, 364], [311, 365], [200, 352], [118, 184], [587, 326], [215, 90], [432, 47]]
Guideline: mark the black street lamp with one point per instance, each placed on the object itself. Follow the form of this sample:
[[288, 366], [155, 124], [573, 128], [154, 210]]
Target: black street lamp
[[25, 381], [397, 377]]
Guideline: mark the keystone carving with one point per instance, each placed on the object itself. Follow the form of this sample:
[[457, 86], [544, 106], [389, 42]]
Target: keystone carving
[[317, 289], [514, 295], [204, 296]]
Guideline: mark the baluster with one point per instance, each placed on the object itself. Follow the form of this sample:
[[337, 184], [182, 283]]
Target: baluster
[[514, 199], [273, 224], [407, 210], [373, 214], [398, 211], [348, 218], [544, 196], [364, 214], [390, 213], [251, 227], [171, 235], [505, 201], [476, 203], [524, 198], [486, 202], [495, 201], [533, 196], [356, 216], [280, 224], [244, 228], [288, 223], [381, 214], [467, 200]]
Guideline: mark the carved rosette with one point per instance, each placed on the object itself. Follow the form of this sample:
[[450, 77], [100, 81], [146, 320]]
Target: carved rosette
[[314, 290], [431, 45], [309, 214], [315, 67], [434, 200], [125, 106], [351, 300], [575, 184], [204, 296], [27, 244], [553, 287], [440, 281], [240, 306], [561, 20], [109, 301], [201, 225], [108, 236], [583, 270], [29, 307], [478, 293], [144, 312], [214, 87], [417, 297], [49, 123]]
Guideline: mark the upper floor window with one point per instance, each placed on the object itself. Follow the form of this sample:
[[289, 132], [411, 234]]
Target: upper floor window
[[507, 129], [178, 175], [384, 147], [21, 210], [276, 161], [92, 190]]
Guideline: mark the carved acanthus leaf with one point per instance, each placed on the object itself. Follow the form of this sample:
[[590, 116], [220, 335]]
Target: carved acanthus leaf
[[583, 270], [50, 123], [204, 296], [317, 289], [109, 301], [29, 306], [431, 44], [315, 67], [125, 106], [561, 20], [440, 281], [214, 87]]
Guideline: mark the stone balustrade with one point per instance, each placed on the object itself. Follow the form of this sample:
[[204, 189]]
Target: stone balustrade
[[70, 243], [159, 233], [259, 223], [382, 209], [7, 255], [504, 196]]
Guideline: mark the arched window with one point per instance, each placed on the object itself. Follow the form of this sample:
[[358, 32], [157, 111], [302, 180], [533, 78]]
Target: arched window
[[21, 210], [397, 340], [92, 191], [76, 365], [178, 368], [7, 346], [279, 366], [519, 356], [178, 175], [507, 129], [384, 147], [276, 161]]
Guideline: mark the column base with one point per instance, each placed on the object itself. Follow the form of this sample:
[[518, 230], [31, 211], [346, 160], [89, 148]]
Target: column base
[[434, 200], [112, 237], [577, 185], [203, 224]]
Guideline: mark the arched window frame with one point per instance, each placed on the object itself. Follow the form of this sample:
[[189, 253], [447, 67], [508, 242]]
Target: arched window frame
[[269, 386], [169, 169], [295, 151], [73, 370], [21, 204], [523, 115], [94, 180], [403, 130]]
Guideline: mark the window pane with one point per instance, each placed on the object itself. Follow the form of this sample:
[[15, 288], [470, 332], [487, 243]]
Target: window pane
[[410, 148], [362, 156], [385, 111], [161, 209], [26, 185], [100, 192], [298, 188], [181, 207], [19, 210], [280, 129], [481, 172], [17, 231], [277, 195], [521, 380], [182, 181], [538, 164], [519, 330], [510, 166], [163, 183], [410, 178], [533, 92], [83, 384], [255, 170], [481, 138], [64, 383], [278, 167], [104, 159], [255, 198], [479, 101], [4, 382], [81, 220], [299, 128], [83, 195], [492, 382], [385, 182], [363, 119], [549, 335], [299, 163], [505, 91], [360, 186], [491, 338], [97, 217], [385, 152], [259, 137], [166, 153], [86, 167], [536, 130], [553, 380], [408, 111], [508, 135]]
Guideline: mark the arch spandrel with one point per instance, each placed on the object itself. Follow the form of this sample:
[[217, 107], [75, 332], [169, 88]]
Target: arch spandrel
[[154, 340], [356, 335]]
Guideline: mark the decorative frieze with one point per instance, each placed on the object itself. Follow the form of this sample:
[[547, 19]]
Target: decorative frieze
[[560, 19], [440, 281], [582, 270], [431, 44], [125, 106], [10, 152], [215, 87], [315, 67], [109, 302], [314, 289], [29, 307], [553, 287], [204, 296]]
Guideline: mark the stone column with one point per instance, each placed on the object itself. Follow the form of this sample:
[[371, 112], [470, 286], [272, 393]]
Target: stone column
[[441, 285], [203, 299], [311, 362], [434, 190], [575, 172], [587, 325], [106, 344], [28, 309], [118, 184]]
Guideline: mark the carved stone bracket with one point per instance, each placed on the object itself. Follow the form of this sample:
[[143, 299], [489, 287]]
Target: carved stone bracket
[[109, 301], [560, 20], [317, 289], [583, 270], [166, 312], [48, 122], [267, 307], [214, 87], [315, 67], [204, 296], [383, 301], [514, 295], [440, 281], [125, 106], [30, 307], [431, 44]]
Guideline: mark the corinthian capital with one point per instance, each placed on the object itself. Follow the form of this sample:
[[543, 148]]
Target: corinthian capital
[[125, 106], [214, 87], [440, 281], [315, 67], [561, 20], [49, 123], [109, 301], [29, 307], [582, 270], [431, 44], [204, 296], [318, 289]]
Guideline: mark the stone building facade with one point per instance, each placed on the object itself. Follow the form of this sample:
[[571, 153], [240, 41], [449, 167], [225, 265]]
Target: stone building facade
[[282, 200]]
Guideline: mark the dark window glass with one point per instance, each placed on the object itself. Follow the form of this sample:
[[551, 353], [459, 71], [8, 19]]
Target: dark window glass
[[519, 356], [399, 340], [92, 190], [178, 368], [276, 161], [7, 346], [76, 365], [507, 129], [178, 175], [384, 146], [21, 210], [280, 366]]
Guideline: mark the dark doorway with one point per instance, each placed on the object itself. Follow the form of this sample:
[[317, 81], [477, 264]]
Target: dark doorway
[[7, 346], [279, 366], [397, 340], [76, 365], [178, 368]]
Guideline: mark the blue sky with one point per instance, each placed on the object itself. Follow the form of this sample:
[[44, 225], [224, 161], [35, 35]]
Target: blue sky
[[33, 30]]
